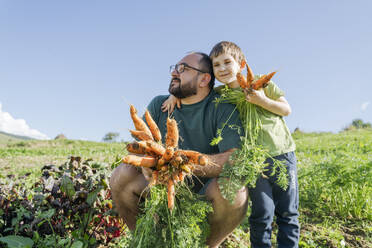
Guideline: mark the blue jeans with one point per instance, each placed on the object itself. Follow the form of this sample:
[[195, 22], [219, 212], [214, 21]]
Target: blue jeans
[[269, 199]]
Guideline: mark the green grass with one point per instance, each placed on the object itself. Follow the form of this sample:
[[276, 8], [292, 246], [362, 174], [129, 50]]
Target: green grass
[[19, 158], [335, 172]]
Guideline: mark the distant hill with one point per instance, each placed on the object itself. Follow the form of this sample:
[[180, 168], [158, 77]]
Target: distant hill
[[6, 137]]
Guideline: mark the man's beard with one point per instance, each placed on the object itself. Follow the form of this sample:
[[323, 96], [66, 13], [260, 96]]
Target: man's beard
[[188, 88]]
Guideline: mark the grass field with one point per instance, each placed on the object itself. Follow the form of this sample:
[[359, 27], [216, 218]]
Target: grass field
[[335, 172]]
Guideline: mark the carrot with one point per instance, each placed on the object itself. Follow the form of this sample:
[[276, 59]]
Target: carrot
[[161, 161], [172, 136], [181, 176], [175, 177], [168, 154], [152, 126], [156, 147], [263, 81], [241, 80], [250, 76], [135, 147], [139, 161], [154, 178], [171, 194], [177, 160], [186, 168], [195, 157], [144, 146], [139, 124], [140, 135]]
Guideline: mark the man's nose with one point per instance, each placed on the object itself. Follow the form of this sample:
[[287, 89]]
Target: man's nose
[[174, 73]]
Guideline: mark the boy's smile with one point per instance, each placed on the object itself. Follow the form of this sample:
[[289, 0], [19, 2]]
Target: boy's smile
[[225, 68]]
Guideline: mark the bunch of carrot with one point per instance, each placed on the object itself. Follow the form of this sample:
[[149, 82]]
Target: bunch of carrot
[[170, 165], [249, 83], [250, 159]]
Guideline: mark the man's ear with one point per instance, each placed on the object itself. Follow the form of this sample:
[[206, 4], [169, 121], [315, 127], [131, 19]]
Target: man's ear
[[206, 78]]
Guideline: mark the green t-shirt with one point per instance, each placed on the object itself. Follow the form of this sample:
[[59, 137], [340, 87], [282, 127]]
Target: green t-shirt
[[275, 135], [198, 124]]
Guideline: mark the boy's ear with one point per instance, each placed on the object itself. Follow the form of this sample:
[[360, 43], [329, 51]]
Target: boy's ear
[[242, 64], [205, 80]]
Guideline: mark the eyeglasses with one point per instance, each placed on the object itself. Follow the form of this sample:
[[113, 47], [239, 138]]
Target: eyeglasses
[[179, 68]]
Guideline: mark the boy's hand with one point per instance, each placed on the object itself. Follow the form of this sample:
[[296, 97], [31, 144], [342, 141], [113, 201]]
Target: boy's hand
[[257, 97], [169, 104]]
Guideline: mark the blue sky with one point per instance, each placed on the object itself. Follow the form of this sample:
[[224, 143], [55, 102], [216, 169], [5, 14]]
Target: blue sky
[[73, 67]]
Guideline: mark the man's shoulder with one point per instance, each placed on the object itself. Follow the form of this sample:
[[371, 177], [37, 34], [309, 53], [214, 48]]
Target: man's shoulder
[[159, 99], [219, 105]]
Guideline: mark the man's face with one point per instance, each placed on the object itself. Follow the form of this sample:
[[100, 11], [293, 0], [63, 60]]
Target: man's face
[[185, 84], [225, 68]]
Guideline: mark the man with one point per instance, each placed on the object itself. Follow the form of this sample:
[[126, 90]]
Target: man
[[198, 121]]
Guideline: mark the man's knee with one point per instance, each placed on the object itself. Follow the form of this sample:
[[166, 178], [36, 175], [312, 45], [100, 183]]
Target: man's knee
[[122, 175], [219, 203]]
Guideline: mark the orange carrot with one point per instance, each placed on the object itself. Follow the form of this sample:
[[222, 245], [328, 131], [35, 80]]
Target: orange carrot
[[168, 154], [186, 168], [177, 160], [171, 139], [139, 124], [156, 147], [175, 177], [250, 76], [140, 135], [195, 157], [161, 161], [136, 148], [181, 176], [139, 161], [263, 81], [171, 193], [148, 150], [241, 80], [154, 178], [153, 127]]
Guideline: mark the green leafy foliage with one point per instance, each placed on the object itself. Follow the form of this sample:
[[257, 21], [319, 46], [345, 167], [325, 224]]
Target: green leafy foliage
[[334, 181], [17, 241], [69, 205], [248, 163], [185, 226]]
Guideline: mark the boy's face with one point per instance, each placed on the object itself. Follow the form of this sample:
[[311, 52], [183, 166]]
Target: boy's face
[[225, 68]]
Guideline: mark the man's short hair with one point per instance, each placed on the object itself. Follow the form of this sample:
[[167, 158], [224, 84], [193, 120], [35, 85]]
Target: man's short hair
[[227, 47], [205, 64]]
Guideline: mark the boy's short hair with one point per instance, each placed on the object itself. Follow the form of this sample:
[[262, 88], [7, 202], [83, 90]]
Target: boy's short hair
[[227, 47]]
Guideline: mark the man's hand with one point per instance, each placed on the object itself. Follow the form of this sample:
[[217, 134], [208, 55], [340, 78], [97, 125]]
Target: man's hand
[[147, 173], [215, 167]]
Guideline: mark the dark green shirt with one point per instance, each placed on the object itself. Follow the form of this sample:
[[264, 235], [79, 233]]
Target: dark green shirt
[[198, 124]]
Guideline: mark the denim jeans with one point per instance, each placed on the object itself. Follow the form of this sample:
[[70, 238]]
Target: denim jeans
[[269, 199]]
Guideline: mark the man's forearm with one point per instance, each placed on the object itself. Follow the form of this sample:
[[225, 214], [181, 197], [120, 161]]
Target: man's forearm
[[215, 166]]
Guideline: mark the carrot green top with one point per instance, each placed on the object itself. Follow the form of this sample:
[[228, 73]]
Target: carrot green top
[[274, 135]]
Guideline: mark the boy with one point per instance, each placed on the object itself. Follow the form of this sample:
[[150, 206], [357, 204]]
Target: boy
[[268, 199]]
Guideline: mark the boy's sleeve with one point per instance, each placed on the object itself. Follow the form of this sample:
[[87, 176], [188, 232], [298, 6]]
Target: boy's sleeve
[[229, 123], [273, 91]]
